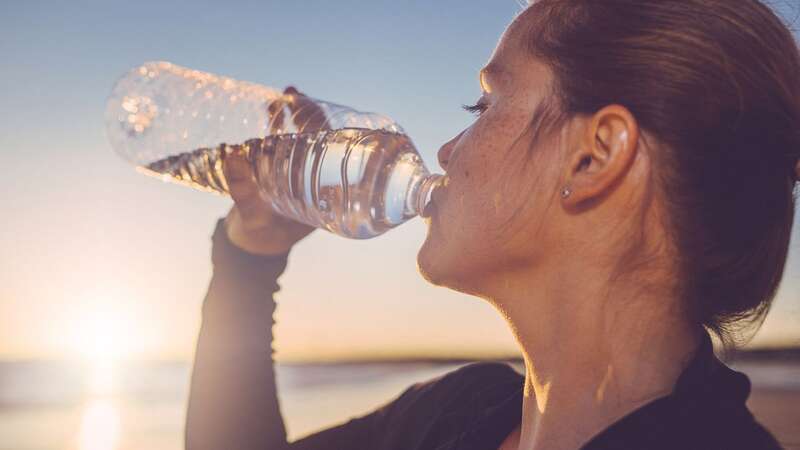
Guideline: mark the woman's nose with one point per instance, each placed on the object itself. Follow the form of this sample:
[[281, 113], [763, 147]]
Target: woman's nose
[[446, 151]]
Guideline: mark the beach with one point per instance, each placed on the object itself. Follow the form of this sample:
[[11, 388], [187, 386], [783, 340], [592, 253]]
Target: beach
[[64, 406]]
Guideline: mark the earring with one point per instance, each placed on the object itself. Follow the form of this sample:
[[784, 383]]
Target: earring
[[566, 192]]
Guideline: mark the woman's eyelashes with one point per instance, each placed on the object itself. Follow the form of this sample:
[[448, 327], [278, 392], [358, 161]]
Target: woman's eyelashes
[[478, 108]]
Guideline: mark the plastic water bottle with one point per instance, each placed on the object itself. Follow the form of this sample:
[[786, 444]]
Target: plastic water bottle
[[353, 173]]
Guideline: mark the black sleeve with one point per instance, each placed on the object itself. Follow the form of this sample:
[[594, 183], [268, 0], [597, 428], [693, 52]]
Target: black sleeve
[[233, 399]]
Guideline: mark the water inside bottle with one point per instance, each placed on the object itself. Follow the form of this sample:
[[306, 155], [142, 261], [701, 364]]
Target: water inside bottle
[[355, 182]]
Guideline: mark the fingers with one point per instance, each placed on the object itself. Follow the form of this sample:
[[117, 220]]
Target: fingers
[[276, 114], [242, 184], [305, 114]]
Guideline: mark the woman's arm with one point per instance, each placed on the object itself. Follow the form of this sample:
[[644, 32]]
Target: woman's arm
[[233, 401]]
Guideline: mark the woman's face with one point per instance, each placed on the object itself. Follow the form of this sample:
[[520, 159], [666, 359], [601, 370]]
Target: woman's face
[[492, 217]]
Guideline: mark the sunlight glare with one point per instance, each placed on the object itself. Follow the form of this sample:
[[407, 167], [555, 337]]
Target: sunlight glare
[[100, 426], [104, 336], [102, 377]]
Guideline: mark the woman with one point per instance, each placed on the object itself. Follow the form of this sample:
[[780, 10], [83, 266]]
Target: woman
[[626, 189]]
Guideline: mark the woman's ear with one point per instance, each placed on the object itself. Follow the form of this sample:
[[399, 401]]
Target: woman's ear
[[607, 147]]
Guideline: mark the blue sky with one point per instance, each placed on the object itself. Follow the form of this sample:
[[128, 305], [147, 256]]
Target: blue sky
[[88, 241]]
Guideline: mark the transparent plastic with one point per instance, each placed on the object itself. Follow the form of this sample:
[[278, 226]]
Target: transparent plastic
[[353, 173]]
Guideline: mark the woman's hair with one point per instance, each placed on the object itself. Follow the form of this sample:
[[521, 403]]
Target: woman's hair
[[717, 82]]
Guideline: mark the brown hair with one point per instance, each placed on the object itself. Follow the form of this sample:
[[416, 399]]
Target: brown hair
[[717, 82]]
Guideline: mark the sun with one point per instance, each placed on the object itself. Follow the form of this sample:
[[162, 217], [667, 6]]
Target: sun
[[104, 334]]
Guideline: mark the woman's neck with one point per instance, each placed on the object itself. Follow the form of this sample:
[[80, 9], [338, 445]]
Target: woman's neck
[[593, 353]]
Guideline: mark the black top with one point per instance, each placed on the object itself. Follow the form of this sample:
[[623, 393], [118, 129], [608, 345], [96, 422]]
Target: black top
[[233, 403]]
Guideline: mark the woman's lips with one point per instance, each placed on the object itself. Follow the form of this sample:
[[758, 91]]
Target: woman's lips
[[428, 211], [430, 208], [435, 198]]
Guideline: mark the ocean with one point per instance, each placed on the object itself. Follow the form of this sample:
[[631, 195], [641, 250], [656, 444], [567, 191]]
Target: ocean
[[69, 406]]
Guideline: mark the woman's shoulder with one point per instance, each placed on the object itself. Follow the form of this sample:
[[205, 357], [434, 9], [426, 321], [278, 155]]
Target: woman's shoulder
[[437, 412], [480, 378], [707, 409], [464, 391], [492, 371], [716, 428]]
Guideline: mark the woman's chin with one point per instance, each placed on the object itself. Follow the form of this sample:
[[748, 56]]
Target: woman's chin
[[437, 260], [428, 262]]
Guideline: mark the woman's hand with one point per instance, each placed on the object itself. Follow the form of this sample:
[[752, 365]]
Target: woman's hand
[[251, 224]]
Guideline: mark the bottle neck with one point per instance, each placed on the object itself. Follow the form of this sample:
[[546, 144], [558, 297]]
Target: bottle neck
[[422, 195]]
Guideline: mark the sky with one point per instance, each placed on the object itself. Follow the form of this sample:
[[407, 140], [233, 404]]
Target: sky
[[98, 259]]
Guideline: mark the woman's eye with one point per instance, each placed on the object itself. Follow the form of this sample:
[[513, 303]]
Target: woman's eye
[[478, 108]]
